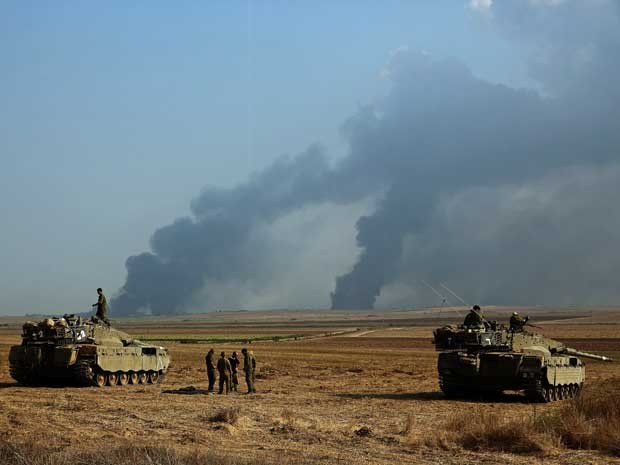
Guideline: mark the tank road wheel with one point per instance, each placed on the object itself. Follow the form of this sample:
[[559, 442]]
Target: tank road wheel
[[142, 377], [546, 393], [133, 377], [554, 393], [559, 392], [100, 379], [567, 392], [153, 377], [123, 378], [112, 379]]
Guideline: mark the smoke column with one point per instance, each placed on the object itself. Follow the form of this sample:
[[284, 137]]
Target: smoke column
[[507, 194]]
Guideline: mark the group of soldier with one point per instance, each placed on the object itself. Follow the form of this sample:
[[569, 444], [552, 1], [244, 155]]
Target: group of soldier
[[227, 369], [475, 319]]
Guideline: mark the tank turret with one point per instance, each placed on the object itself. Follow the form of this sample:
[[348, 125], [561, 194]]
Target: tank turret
[[496, 358], [85, 352]]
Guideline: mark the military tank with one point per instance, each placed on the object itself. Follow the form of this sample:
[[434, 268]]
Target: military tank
[[84, 352], [496, 358]]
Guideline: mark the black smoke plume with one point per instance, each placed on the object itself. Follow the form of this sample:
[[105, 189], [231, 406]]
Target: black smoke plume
[[508, 194]]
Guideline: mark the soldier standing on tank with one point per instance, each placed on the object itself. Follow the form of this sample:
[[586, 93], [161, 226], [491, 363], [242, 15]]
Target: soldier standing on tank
[[102, 306], [210, 369], [474, 318], [517, 322], [248, 369], [234, 363], [225, 371]]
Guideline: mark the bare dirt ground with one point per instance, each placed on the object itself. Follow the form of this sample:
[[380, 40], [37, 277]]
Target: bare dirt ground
[[368, 399]]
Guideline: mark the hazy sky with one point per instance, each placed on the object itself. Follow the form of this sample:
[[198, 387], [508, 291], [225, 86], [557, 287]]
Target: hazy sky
[[115, 117]]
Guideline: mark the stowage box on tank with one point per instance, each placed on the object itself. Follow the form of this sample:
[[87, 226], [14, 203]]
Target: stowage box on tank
[[495, 359], [87, 352]]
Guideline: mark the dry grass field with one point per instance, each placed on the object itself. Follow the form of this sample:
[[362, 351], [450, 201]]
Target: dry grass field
[[366, 396]]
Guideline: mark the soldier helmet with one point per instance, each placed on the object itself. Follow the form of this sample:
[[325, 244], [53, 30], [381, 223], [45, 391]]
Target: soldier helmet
[[244, 350], [99, 289], [222, 354], [515, 313], [476, 307]]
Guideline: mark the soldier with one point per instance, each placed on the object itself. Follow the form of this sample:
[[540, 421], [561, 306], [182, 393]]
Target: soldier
[[517, 322], [102, 306], [210, 369], [474, 318], [248, 368], [234, 363], [224, 369], [253, 370]]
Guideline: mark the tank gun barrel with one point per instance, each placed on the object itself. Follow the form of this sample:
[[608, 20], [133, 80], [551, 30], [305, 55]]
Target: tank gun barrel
[[579, 353]]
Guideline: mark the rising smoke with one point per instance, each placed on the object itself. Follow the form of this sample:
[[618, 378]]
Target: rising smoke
[[507, 194]]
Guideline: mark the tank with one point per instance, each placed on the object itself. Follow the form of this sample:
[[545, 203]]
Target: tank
[[84, 352], [494, 359]]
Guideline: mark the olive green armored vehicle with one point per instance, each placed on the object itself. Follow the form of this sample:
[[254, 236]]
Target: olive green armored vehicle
[[84, 352], [495, 358]]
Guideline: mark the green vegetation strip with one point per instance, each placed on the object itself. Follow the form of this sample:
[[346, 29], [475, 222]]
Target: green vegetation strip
[[194, 339]]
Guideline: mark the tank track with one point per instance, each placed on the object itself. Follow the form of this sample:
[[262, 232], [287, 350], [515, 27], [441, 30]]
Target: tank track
[[447, 387], [19, 374], [454, 390], [540, 391], [83, 374], [22, 375]]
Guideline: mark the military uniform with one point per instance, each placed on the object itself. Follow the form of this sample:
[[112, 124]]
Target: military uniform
[[210, 369], [234, 363], [102, 308], [224, 369], [474, 319], [517, 322], [248, 368]]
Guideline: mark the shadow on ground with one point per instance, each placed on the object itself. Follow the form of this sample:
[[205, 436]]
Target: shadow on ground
[[505, 398], [189, 390]]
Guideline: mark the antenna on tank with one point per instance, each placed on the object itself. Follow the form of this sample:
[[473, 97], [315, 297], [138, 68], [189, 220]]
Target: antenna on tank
[[443, 298], [453, 293]]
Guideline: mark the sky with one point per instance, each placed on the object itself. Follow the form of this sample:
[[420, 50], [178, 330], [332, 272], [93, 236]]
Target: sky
[[118, 118]]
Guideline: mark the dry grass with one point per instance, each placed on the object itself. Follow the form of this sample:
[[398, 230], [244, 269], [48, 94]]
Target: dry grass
[[590, 421], [228, 415], [311, 407], [30, 454], [498, 432], [480, 432]]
